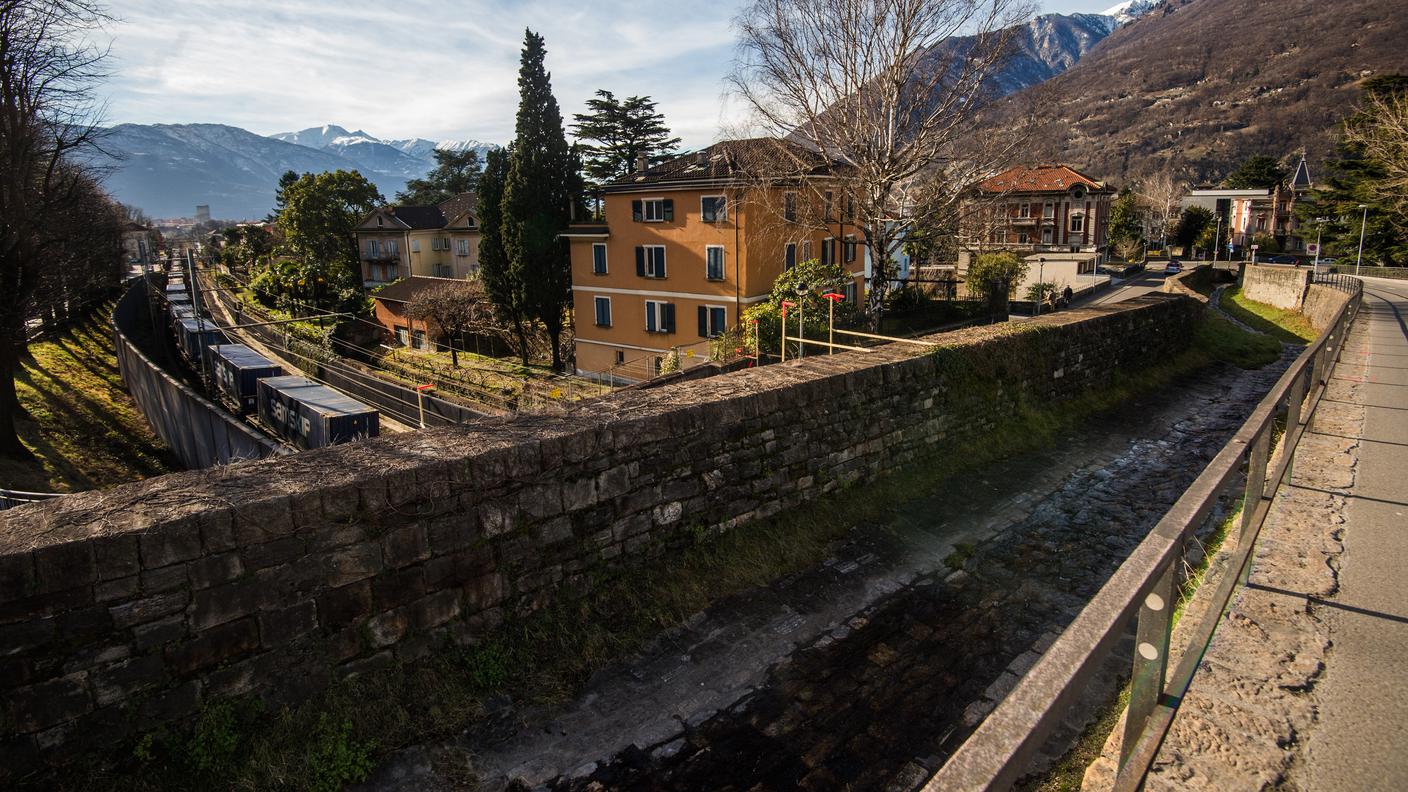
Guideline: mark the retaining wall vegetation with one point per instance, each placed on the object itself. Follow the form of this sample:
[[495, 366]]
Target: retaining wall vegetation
[[126, 609]]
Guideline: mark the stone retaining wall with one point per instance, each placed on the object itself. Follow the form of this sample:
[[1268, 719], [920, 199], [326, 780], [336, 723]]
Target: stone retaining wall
[[1322, 305], [1281, 286], [125, 609]]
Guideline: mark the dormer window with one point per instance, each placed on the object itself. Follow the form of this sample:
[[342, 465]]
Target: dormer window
[[378, 219]]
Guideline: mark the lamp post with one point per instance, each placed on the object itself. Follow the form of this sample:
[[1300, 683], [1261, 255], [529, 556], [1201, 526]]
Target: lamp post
[[1216, 240], [1319, 229], [1362, 223], [801, 328], [1040, 281]]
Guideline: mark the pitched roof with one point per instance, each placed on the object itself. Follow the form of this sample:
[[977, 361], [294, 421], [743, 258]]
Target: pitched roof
[[728, 160], [1039, 178], [408, 289], [458, 205], [1301, 179], [418, 217]]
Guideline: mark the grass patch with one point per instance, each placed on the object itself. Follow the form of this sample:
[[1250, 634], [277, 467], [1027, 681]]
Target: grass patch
[[1292, 327], [82, 426], [1222, 340], [960, 555], [547, 656]]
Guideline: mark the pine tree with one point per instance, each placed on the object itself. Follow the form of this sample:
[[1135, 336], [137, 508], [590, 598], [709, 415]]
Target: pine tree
[[615, 133], [539, 196], [502, 283], [455, 172]]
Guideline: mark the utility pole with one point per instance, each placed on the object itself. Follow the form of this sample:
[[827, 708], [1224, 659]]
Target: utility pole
[[1362, 223]]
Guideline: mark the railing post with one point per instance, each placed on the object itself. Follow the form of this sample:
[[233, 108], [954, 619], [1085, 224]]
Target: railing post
[[1295, 402], [1256, 487], [1151, 641]]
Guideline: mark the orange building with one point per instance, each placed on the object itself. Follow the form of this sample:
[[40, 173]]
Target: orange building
[[686, 247]]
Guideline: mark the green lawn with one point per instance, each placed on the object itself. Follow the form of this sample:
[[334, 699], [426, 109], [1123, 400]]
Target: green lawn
[[82, 426], [1291, 327]]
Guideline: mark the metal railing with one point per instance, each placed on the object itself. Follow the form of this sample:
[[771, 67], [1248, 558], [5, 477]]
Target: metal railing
[[9, 499], [997, 754]]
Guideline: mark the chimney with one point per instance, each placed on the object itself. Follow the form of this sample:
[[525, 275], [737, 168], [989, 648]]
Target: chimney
[[642, 162]]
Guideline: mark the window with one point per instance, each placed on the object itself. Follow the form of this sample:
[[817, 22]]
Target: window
[[650, 261], [418, 339], [654, 210], [828, 250], [659, 317], [1045, 236], [1024, 210], [790, 259], [1022, 238], [713, 209], [713, 321], [462, 247], [1077, 223], [827, 202], [850, 209], [603, 311], [378, 221], [393, 247], [415, 245], [403, 336], [439, 243], [806, 250], [1049, 210], [598, 258], [849, 248], [714, 262], [789, 206], [850, 292], [373, 248], [444, 271], [620, 357]]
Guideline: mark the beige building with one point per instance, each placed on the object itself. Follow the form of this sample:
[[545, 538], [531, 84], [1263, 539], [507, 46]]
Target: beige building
[[441, 241]]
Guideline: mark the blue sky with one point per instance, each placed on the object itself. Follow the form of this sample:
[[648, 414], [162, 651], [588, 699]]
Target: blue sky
[[417, 68]]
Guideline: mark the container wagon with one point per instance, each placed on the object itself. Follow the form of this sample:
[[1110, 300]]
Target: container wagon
[[193, 339], [236, 370], [309, 415]]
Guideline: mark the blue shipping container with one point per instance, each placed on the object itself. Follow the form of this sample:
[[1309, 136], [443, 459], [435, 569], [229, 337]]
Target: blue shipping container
[[237, 369], [192, 339], [309, 415]]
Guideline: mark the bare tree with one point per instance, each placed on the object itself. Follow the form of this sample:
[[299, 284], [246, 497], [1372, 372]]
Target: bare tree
[[1380, 130], [456, 307], [47, 116], [884, 91], [1160, 194]]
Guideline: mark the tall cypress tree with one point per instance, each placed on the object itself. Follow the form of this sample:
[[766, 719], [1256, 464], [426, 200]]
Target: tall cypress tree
[[503, 283], [538, 197]]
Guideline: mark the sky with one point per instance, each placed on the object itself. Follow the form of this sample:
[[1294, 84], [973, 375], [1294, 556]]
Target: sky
[[416, 68]]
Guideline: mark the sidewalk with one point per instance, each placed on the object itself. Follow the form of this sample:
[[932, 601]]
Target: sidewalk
[[1304, 684]]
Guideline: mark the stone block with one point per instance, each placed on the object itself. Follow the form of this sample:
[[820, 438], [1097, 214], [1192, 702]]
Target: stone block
[[88, 658], [280, 627], [214, 646], [217, 530], [64, 566], [497, 518], [273, 553], [579, 494], [22, 636], [118, 682], [393, 589], [388, 628], [367, 665], [214, 570], [169, 578], [453, 531], [263, 520], [170, 543], [222, 604], [404, 546], [50, 703], [147, 609], [614, 482], [158, 633], [176, 704], [81, 625], [342, 606], [541, 500], [118, 589], [558, 529], [484, 592], [17, 576], [458, 568], [353, 563], [435, 609], [117, 556]]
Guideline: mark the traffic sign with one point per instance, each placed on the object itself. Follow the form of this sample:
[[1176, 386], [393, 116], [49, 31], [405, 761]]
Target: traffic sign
[[1313, 248]]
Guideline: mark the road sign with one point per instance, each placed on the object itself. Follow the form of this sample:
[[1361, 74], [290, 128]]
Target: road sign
[[1313, 248]]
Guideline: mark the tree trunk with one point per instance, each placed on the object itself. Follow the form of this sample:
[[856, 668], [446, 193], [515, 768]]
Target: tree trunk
[[10, 445], [522, 340], [555, 333]]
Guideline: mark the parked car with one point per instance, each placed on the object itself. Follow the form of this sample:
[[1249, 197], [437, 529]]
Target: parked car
[[1173, 268], [1281, 260]]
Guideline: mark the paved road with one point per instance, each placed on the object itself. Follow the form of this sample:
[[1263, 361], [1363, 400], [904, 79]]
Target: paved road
[[1361, 742]]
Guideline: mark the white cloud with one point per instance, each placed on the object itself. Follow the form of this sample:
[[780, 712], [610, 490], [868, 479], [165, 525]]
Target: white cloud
[[416, 68]]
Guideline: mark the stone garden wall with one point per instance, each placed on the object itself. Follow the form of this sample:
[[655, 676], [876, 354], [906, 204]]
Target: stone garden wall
[[1281, 286], [1322, 305], [125, 609]]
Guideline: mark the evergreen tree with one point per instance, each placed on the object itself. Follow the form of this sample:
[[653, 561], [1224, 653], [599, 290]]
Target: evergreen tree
[[455, 172], [287, 180], [539, 196], [613, 133], [502, 283], [1256, 171]]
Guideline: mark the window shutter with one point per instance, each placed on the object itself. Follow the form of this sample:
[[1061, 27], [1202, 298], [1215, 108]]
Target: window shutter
[[668, 320], [640, 260], [636, 211], [669, 208], [703, 322], [650, 309], [660, 264]]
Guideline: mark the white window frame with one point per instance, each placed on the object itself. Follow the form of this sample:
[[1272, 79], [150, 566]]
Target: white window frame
[[723, 262], [393, 247], [828, 246], [658, 205], [806, 250], [1024, 210], [1022, 238], [792, 247], [596, 310], [604, 265], [1048, 211], [655, 314], [415, 245], [1046, 235], [373, 248], [720, 209], [462, 249], [715, 332], [655, 267], [789, 206], [1077, 223]]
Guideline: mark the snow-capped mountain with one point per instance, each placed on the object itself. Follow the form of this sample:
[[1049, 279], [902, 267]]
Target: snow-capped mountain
[[411, 157], [1130, 10]]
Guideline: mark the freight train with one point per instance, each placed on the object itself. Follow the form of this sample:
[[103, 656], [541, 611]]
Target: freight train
[[296, 409]]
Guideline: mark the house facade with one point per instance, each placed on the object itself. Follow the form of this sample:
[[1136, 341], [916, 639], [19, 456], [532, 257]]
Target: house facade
[[686, 247], [1264, 212], [442, 241]]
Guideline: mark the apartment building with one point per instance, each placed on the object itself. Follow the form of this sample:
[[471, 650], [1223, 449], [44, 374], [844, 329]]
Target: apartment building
[[439, 241], [688, 245], [1260, 212]]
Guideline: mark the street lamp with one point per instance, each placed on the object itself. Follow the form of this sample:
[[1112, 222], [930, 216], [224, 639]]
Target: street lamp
[[1040, 281], [1216, 240], [1319, 229], [1362, 223], [801, 328]]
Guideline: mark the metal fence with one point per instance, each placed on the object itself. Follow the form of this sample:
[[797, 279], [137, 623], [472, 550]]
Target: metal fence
[[197, 430], [9, 499], [997, 754]]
